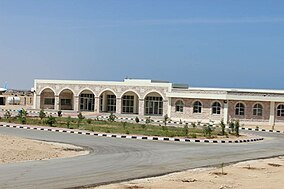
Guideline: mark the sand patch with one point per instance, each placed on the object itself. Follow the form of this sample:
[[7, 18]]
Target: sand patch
[[15, 149], [256, 174]]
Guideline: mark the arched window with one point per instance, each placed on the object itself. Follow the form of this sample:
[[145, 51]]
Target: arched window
[[280, 110], [179, 106], [257, 110], [197, 107], [216, 108], [240, 109]]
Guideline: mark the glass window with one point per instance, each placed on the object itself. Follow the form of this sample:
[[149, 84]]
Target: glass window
[[111, 103], [216, 108], [257, 110], [280, 110], [49, 101], [66, 102], [179, 106], [153, 105], [240, 109], [128, 104], [197, 107]]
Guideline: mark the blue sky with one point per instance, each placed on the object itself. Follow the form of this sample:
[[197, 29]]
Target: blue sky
[[213, 43]]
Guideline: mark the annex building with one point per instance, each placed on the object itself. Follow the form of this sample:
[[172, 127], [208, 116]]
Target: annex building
[[135, 97]]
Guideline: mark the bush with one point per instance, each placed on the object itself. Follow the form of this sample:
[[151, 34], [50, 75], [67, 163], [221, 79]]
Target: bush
[[42, 114], [193, 125], [232, 125], [59, 113], [237, 127], [80, 119], [148, 120], [7, 115], [207, 131], [111, 117], [166, 119], [127, 132], [143, 126], [89, 121], [137, 120], [223, 126], [68, 121], [51, 120], [22, 115], [185, 130], [124, 125], [193, 135]]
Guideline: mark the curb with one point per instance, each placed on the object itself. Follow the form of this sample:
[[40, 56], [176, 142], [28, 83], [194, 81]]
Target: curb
[[152, 138]]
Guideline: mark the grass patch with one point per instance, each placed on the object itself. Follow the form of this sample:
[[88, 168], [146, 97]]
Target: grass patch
[[118, 127]]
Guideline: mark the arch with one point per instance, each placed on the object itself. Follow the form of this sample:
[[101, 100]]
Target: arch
[[45, 89], [197, 106], [130, 90], [66, 99], [240, 109], [47, 98], [153, 104], [86, 89], [86, 100], [108, 101], [179, 105], [280, 110], [257, 109], [105, 90], [154, 91], [66, 88], [129, 102], [216, 107]]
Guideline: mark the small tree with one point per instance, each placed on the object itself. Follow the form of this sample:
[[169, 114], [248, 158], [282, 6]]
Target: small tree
[[22, 115], [59, 113], [185, 130], [223, 126], [237, 127], [166, 119], [207, 130], [7, 115], [42, 114], [232, 125], [89, 121], [193, 125], [111, 117], [80, 119], [51, 120], [148, 120], [124, 124], [137, 120], [68, 121]]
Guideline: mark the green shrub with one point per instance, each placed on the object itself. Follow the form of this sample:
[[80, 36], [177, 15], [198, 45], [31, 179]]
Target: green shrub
[[222, 124], [111, 117], [50, 120], [185, 130], [89, 121], [42, 114], [59, 113], [68, 121], [148, 120], [137, 120]]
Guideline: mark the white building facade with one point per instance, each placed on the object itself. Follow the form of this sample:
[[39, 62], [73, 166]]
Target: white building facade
[[134, 97]]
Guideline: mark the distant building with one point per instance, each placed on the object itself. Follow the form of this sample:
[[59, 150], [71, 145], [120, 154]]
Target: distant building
[[157, 98], [16, 98]]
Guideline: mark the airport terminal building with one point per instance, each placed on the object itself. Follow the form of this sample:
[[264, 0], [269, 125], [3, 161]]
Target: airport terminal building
[[135, 97]]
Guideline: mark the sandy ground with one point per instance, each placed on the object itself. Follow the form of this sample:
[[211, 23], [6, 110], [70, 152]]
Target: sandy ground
[[15, 149], [255, 174], [267, 127]]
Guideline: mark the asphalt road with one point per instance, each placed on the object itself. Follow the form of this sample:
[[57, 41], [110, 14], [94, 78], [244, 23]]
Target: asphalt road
[[114, 159]]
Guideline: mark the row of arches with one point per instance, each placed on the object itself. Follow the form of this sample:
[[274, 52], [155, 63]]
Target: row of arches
[[197, 107], [257, 109], [153, 101]]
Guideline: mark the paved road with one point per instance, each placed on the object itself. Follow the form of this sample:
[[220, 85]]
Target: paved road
[[114, 159]]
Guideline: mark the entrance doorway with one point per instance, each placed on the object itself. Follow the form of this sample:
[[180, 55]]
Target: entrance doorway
[[87, 102]]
